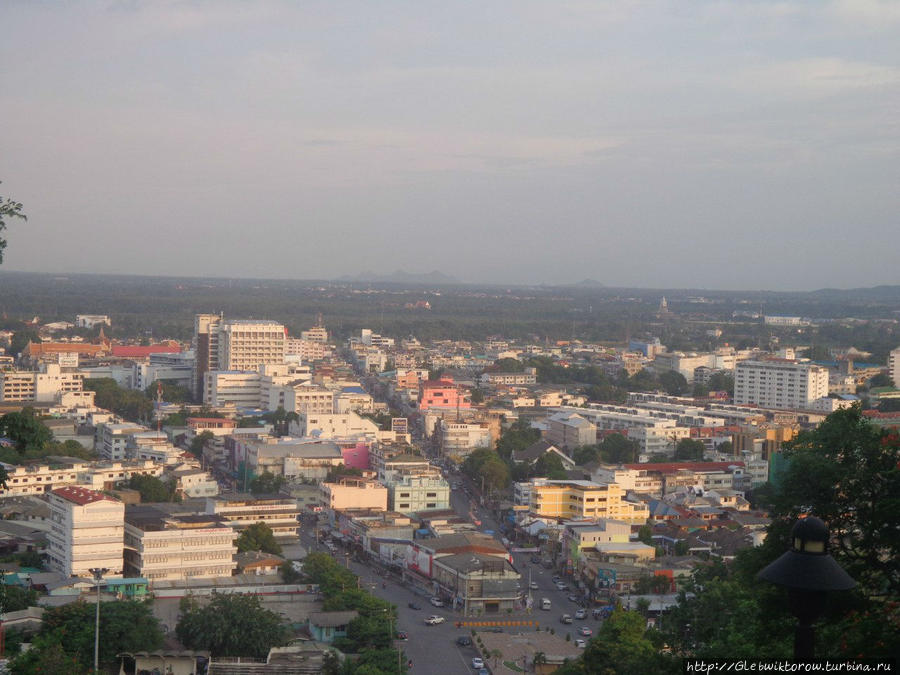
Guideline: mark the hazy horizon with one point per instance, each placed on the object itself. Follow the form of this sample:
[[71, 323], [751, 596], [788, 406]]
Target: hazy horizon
[[662, 145]]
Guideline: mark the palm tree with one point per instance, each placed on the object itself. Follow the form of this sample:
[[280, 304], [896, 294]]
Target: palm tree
[[496, 654]]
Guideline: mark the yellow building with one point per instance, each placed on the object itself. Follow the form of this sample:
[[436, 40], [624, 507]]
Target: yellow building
[[355, 493], [584, 499]]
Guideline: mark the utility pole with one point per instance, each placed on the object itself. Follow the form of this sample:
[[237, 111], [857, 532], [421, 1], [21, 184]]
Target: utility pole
[[98, 573]]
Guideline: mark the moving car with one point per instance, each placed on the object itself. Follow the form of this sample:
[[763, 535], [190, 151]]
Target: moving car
[[581, 644], [560, 586], [545, 603], [565, 618], [573, 597], [413, 605], [433, 620], [477, 663], [580, 614], [533, 585], [464, 641], [587, 632], [401, 635], [437, 602]]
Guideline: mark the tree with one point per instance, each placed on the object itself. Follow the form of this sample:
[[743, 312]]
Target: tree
[[518, 436], [689, 450], [267, 483], [289, 574], [67, 636], [880, 380], [199, 441], [585, 454], [617, 449], [258, 537], [477, 395], [21, 338], [152, 489], [508, 365], [15, 598], [230, 625], [128, 403], [171, 392], [722, 382], [549, 465], [889, 405], [645, 535], [673, 382], [9, 208], [28, 432]]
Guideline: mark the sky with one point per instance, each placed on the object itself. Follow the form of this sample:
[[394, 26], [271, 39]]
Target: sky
[[683, 144]]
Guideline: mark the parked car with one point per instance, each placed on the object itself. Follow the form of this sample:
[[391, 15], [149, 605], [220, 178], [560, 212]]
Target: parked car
[[437, 602], [401, 635], [573, 597], [560, 586], [477, 663], [464, 641], [580, 614], [581, 644], [433, 620], [413, 605], [484, 671], [584, 630], [556, 578], [565, 618]]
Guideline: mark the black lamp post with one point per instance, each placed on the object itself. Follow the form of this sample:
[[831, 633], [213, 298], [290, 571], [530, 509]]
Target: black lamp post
[[808, 572]]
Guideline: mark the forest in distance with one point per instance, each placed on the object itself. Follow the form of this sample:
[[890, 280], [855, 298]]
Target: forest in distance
[[163, 307]]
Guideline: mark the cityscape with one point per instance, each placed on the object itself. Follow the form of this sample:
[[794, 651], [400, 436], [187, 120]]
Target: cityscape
[[417, 338]]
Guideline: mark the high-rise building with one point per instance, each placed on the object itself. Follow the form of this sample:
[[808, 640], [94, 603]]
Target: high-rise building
[[779, 384], [247, 344], [86, 531], [894, 364], [206, 348]]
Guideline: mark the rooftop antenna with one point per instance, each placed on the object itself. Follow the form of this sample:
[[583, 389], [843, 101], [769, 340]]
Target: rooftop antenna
[[158, 406]]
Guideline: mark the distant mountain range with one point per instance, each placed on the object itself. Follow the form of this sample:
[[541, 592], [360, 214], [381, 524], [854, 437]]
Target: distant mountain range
[[402, 277]]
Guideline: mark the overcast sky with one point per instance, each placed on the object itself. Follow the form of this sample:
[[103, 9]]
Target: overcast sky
[[730, 144]]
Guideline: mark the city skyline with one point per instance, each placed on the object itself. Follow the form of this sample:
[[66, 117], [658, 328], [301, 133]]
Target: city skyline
[[748, 146]]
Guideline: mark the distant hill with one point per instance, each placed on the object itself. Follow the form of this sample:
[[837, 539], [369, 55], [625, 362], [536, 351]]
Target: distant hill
[[590, 283], [403, 277]]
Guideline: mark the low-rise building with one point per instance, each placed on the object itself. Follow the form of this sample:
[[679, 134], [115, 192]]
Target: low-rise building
[[162, 547], [355, 493], [279, 512], [584, 499], [479, 584]]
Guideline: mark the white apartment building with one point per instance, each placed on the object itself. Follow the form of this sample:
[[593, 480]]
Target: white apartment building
[[240, 510], [240, 389], [528, 377], [111, 441], [309, 399], [86, 531], [335, 425], [410, 493], [162, 547], [779, 384], [91, 320], [458, 439], [355, 399], [894, 365], [305, 350], [246, 344], [45, 386], [37, 479]]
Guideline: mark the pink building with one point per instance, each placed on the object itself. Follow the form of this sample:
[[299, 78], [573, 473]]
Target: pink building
[[442, 393]]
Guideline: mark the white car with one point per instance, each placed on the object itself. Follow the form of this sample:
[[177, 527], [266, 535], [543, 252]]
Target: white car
[[477, 663], [533, 585], [437, 602], [581, 644], [434, 620], [580, 613]]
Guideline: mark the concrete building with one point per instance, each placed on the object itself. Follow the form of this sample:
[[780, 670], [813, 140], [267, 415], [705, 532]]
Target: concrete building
[[87, 531], [568, 431], [459, 439], [309, 399], [528, 377], [584, 499], [355, 493], [293, 458], [894, 366], [417, 491], [241, 510], [481, 584], [44, 386], [442, 393], [336, 425], [112, 441], [91, 320], [248, 344], [240, 389], [779, 384], [163, 547]]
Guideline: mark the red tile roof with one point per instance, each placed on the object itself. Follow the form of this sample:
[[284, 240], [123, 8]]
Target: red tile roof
[[141, 351], [80, 495]]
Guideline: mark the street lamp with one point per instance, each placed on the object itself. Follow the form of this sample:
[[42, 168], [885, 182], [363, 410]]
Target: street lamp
[[808, 572], [391, 635], [98, 573]]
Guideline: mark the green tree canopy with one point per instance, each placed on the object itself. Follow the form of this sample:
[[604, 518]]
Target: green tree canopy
[[258, 537], [199, 441], [67, 635], [24, 427], [673, 382], [617, 449], [267, 483], [152, 489], [131, 404], [518, 436], [549, 465], [585, 454], [689, 449], [230, 625], [171, 392]]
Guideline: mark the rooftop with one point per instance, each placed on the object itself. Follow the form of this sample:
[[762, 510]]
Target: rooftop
[[81, 496]]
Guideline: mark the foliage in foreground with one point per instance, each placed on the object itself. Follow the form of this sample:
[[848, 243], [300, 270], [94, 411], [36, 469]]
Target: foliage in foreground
[[230, 625]]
